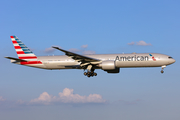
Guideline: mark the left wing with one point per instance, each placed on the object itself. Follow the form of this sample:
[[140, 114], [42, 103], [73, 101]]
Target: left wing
[[80, 58]]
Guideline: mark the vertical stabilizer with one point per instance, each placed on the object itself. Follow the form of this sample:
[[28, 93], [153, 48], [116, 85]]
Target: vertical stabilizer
[[24, 52]]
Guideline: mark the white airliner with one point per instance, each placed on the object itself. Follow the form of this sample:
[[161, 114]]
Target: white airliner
[[111, 63]]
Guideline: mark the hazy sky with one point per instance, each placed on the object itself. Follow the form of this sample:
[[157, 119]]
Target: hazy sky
[[90, 26]]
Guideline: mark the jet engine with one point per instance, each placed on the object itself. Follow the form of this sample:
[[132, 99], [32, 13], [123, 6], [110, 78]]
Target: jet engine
[[109, 66]]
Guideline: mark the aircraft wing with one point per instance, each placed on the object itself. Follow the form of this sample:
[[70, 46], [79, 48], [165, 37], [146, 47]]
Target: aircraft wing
[[77, 57]]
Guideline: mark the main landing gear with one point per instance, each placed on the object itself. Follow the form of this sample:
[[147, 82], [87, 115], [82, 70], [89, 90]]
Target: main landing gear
[[162, 70], [90, 72]]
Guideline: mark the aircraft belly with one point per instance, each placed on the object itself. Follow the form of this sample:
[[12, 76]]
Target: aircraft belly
[[61, 65], [36, 66]]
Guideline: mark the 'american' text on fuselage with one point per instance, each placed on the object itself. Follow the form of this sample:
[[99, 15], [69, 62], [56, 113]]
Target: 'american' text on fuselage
[[132, 58]]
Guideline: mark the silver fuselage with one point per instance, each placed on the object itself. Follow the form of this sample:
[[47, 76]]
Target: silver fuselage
[[121, 61]]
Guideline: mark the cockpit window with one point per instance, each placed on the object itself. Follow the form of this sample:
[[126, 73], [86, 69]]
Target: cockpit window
[[170, 57]]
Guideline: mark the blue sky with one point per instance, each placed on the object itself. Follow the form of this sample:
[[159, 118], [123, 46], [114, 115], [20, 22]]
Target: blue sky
[[105, 27]]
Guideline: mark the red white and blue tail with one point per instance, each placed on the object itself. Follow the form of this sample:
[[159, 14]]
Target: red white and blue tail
[[24, 52]]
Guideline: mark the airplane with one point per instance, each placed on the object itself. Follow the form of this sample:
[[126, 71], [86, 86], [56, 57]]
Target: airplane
[[111, 63]]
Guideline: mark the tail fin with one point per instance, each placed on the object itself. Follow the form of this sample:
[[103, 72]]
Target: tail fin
[[22, 51]]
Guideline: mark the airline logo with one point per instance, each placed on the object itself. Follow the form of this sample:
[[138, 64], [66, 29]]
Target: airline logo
[[132, 58], [23, 52], [152, 57]]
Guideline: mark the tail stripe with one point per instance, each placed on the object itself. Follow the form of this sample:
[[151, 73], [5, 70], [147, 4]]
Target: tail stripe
[[20, 52], [31, 62], [27, 57], [17, 47], [14, 42]]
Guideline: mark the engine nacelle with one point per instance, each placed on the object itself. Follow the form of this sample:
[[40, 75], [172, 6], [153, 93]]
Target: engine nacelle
[[108, 65]]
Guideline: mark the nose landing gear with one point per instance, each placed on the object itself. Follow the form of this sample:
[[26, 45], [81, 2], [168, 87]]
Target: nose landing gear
[[162, 70]]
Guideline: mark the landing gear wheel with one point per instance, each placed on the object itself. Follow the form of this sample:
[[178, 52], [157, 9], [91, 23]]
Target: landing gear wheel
[[85, 73], [95, 74], [88, 75], [162, 71]]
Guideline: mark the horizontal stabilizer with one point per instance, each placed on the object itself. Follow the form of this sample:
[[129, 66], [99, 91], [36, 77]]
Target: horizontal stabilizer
[[18, 60]]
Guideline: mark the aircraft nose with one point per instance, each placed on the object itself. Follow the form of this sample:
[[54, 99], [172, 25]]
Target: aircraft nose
[[173, 61]]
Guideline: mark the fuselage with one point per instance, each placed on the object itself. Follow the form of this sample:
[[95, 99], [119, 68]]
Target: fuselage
[[120, 60]]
